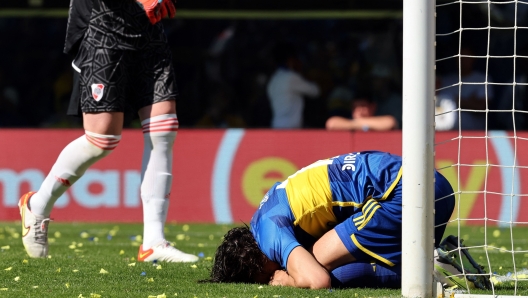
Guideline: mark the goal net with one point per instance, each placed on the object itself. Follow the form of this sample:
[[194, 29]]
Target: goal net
[[481, 108]]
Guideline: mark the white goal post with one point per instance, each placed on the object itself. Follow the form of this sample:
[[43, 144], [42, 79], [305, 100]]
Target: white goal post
[[418, 148], [491, 141]]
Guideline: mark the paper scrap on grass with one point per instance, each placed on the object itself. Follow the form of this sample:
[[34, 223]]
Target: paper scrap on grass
[[3, 289], [17, 278], [25, 261], [58, 270], [34, 287], [158, 267], [103, 271], [75, 270], [93, 295], [8, 268], [132, 264], [5, 247], [194, 266], [67, 285], [499, 279], [150, 279], [121, 252]]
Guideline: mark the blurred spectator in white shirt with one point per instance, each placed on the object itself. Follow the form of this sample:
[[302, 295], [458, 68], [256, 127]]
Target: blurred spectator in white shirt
[[446, 111], [287, 88]]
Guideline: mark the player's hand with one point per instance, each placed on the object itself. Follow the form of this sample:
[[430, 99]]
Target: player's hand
[[168, 8], [158, 9], [280, 278]]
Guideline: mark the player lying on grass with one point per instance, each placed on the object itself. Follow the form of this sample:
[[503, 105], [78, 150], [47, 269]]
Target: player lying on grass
[[334, 223]]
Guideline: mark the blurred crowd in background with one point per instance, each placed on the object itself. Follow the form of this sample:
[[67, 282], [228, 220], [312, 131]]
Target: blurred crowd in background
[[225, 70]]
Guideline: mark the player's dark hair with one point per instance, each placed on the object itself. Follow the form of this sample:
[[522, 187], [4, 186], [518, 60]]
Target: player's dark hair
[[238, 258]]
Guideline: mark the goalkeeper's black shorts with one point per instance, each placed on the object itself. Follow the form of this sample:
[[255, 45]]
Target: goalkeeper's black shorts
[[115, 80]]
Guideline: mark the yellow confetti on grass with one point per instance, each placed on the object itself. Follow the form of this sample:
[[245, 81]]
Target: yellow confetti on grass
[[25, 261], [5, 247], [201, 245], [58, 270], [180, 237], [17, 278], [121, 252], [8, 268], [150, 279], [103, 271], [158, 267], [67, 285], [3, 289], [496, 233], [93, 295], [35, 287], [75, 270], [132, 264], [85, 235], [158, 296], [194, 266], [57, 234], [185, 228]]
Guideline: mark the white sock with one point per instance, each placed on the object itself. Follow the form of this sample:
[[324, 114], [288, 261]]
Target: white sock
[[71, 164], [159, 134]]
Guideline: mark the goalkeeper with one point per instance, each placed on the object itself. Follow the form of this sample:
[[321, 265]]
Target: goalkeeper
[[334, 223], [122, 64]]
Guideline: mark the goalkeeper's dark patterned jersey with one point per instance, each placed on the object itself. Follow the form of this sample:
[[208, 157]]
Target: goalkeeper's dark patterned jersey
[[111, 24]]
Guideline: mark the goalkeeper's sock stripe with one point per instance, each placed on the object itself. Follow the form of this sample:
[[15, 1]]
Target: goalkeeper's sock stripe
[[161, 123]]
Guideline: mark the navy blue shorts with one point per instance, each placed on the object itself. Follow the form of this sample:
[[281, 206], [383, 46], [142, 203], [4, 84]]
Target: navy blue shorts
[[375, 232]]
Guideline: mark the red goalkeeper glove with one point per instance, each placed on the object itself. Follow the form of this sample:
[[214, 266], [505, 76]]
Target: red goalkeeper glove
[[158, 9]]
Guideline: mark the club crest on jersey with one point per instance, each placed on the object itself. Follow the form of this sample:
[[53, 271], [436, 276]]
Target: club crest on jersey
[[97, 91]]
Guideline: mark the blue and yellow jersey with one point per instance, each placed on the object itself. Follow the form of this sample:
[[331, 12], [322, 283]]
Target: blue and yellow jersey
[[316, 198]]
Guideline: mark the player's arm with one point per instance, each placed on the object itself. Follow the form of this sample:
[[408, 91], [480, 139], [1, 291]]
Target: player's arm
[[303, 271]]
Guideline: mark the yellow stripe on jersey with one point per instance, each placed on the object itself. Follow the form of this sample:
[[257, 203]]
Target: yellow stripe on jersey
[[393, 185], [370, 253], [368, 210], [310, 199], [365, 222]]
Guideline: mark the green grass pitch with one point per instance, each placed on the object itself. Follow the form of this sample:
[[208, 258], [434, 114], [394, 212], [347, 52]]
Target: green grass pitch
[[98, 260]]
